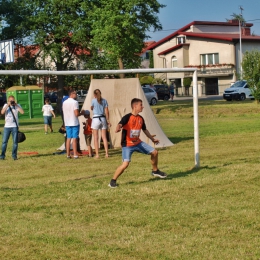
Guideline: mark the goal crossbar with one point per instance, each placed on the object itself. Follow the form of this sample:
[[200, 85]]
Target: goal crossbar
[[130, 71]]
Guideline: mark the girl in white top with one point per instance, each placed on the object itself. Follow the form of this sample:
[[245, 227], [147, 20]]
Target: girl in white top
[[47, 110], [100, 120]]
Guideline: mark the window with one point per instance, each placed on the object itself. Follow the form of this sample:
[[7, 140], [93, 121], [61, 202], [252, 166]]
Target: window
[[180, 40], [174, 61], [207, 59]]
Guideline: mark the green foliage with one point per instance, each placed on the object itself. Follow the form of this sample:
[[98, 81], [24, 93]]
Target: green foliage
[[159, 81], [146, 80], [27, 61], [64, 30], [60, 28], [251, 71], [151, 64], [119, 27], [187, 82], [238, 17]]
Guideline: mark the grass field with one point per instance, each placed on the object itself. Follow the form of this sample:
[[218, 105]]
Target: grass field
[[54, 208]]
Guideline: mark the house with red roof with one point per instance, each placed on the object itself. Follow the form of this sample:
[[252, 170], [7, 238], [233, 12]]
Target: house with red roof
[[211, 47], [145, 55]]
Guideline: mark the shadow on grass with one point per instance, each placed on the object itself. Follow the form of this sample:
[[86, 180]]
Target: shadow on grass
[[177, 139], [176, 175], [112, 153], [184, 104], [9, 189], [189, 172]]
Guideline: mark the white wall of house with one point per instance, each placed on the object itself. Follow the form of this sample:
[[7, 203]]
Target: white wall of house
[[201, 46], [190, 55], [246, 46]]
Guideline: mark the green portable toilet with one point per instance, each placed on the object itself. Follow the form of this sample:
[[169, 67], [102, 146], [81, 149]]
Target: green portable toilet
[[30, 98], [36, 97], [21, 95]]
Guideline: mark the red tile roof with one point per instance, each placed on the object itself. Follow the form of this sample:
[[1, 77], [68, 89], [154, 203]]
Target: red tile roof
[[174, 48], [223, 36], [220, 36], [147, 45]]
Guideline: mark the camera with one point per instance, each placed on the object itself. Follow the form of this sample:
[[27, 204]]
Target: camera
[[12, 103]]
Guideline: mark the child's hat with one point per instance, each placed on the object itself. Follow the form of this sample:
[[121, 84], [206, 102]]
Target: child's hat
[[86, 112]]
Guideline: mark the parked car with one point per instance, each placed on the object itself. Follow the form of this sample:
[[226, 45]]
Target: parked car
[[53, 96], [238, 91], [151, 95], [163, 91], [2, 98], [81, 95], [146, 86]]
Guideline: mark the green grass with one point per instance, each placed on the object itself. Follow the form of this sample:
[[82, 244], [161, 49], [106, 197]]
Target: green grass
[[54, 208]]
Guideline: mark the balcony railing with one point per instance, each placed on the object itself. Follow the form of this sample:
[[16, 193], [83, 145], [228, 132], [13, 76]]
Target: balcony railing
[[213, 69]]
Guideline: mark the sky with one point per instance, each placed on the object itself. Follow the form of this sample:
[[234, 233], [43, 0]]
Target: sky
[[179, 13]]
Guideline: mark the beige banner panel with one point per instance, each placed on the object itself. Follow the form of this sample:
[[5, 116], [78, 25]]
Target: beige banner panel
[[119, 93]]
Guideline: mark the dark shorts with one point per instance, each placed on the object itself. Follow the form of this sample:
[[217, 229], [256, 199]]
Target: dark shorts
[[88, 139]]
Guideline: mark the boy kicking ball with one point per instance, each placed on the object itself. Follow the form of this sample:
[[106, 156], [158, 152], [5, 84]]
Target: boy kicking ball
[[131, 125]]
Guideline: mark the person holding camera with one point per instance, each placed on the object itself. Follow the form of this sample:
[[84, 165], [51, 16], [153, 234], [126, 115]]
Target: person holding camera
[[10, 110]]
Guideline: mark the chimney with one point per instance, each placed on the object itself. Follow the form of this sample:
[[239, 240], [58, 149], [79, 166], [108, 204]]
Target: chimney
[[245, 31], [233, 21]]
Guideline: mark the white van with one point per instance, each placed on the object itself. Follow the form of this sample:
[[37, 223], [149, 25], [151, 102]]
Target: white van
[[238, 91]]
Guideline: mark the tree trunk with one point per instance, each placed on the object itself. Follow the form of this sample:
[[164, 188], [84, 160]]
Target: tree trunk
[[60, 89], [121, 67]]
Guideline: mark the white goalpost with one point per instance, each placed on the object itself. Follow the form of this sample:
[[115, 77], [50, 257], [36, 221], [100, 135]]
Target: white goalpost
[[130, 71]]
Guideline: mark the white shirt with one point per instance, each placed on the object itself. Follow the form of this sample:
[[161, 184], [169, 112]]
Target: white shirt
[[46, 109], [68, 108], [9, 119]]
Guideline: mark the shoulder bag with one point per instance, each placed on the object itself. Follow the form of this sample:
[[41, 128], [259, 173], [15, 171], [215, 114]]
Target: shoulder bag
[[21, 135]]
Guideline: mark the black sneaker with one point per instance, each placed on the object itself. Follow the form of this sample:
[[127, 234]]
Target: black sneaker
[[159, 174], [112, 184]]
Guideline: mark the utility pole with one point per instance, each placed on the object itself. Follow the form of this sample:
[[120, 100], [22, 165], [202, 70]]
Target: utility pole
[[240, 41]]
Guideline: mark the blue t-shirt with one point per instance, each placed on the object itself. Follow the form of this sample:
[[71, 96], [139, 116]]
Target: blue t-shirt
[[172, 88], [99, 109]]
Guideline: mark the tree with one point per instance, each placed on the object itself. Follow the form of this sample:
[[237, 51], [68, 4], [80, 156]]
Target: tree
[[187, 83], [151, 64], [251, 72], [68, 29], [60, 28], [238, 17], [26, 60], [119, 28]]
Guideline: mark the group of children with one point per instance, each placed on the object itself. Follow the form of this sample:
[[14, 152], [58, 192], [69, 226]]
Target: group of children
[[131, 126], [48, 113]]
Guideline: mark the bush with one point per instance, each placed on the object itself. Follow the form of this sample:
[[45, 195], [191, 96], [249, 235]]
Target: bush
[[187, 82]]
